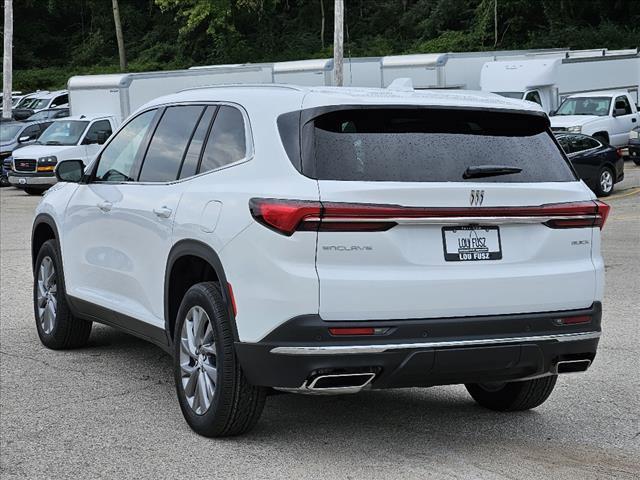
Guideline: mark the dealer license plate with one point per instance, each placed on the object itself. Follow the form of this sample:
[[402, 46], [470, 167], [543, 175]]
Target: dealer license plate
[[471, 243]]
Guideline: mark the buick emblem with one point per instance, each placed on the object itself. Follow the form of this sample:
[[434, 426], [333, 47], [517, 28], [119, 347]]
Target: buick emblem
[[476, 198]]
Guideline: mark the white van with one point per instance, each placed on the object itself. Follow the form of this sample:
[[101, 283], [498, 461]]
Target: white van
[[77, 137]]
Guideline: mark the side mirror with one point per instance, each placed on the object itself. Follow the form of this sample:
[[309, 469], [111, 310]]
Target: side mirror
[[618, 112], [552, 112], [26, 138], [70, 171]]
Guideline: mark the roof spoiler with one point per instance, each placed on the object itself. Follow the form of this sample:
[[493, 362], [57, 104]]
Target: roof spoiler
[[401, 85]]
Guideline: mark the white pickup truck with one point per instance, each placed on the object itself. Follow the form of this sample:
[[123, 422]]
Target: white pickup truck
[[608, 116], [76, 137]]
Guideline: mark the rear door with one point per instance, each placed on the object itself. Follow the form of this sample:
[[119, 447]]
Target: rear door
[[400, 236]]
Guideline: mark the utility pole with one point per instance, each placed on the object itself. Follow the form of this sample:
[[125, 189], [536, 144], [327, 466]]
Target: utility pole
[[7, 64], [119, 37], [495, 23], [338, 40]]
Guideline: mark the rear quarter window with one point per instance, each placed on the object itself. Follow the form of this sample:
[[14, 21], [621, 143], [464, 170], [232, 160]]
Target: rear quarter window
[[429, 145]]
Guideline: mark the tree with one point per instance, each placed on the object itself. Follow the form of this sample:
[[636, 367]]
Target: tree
[[119, 37]]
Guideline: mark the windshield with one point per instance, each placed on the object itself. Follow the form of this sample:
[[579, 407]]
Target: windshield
[[585, 106], [41, 115], [516, 95], [8, 131], [63, 132]]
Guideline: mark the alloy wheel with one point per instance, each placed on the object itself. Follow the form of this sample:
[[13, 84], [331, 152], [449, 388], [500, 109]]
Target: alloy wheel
[[47, 295], [606, 181], [198, 360]]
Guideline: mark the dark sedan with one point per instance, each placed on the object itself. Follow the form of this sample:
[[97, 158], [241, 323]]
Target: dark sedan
[[601, 166]]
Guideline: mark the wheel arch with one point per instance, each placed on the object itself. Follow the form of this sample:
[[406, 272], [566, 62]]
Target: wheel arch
[[185, 253], [44, 228], [604, 134]]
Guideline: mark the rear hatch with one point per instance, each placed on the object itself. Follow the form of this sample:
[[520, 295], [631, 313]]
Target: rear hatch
[[446, 212]]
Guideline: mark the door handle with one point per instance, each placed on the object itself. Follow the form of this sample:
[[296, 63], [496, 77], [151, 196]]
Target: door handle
[[162, 212], [633, 120], [105, 206]]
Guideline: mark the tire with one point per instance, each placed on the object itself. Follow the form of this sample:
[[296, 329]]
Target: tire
[[57, 327], [513, 396], [33, 191], [4, 181], [214, 395], [605, 182], [636, 161]]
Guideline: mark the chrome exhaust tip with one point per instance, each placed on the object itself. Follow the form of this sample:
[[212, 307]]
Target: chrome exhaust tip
[[334, 384], [341, 382], [572, 366]]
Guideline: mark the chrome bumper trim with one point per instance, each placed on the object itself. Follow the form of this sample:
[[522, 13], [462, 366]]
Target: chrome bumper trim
[[364, 349], [487, 220]]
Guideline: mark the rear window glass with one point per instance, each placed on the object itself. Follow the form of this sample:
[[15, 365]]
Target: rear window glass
[[430, 145]]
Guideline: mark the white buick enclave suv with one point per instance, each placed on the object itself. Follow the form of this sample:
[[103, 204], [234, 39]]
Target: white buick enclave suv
[[328, 240]]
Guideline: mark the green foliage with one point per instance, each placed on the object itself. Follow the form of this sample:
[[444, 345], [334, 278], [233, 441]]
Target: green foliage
[[55, 39]]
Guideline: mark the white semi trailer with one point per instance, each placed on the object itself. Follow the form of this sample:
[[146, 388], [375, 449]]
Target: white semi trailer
[[120, 94], [549, 79]]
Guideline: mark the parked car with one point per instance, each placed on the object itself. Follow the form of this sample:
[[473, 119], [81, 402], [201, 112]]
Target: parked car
[[76, 137], [4, 173], [312, 240], [40, 101], [14, 135], [606, 116], [634, 145], [601, 166], [49, 114]]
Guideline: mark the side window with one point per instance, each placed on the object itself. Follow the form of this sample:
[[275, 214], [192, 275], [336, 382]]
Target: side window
[[565, 144], [227, 142], [118, 159], [166, 149], [61, 100], [190, 163], [32, 132], [623, 102], [98, 133], [534, 96], [579, 143]]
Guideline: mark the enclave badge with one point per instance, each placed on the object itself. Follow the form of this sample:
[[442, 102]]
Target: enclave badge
[[476, 198]]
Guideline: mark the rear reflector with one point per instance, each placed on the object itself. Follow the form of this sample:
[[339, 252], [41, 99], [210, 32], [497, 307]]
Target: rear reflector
[[573, 320], [233, 300], [288, 216], [357, 331]]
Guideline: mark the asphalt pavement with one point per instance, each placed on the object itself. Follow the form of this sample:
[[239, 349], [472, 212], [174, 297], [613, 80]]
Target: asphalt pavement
[[109, 410]]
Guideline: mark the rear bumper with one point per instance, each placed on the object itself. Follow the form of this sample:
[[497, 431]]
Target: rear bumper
[[423, 352]]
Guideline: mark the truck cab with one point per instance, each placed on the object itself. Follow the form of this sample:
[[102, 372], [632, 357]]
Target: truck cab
[[608, 116], [76, 137]]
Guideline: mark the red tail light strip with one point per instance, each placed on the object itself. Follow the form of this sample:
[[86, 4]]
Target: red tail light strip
[[288, 216]]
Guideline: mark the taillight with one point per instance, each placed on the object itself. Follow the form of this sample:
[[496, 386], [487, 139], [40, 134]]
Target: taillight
[[285, 216], [619, 152], [289, 216]]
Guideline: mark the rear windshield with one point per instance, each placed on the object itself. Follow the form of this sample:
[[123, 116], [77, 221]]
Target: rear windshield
[[430, 145]]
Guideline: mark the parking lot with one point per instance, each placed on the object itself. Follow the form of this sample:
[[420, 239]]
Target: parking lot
[[109, 410]]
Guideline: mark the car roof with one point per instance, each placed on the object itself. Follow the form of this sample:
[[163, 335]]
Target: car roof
[[88, 118], [48, 95], [603, 93], [262, 95]]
